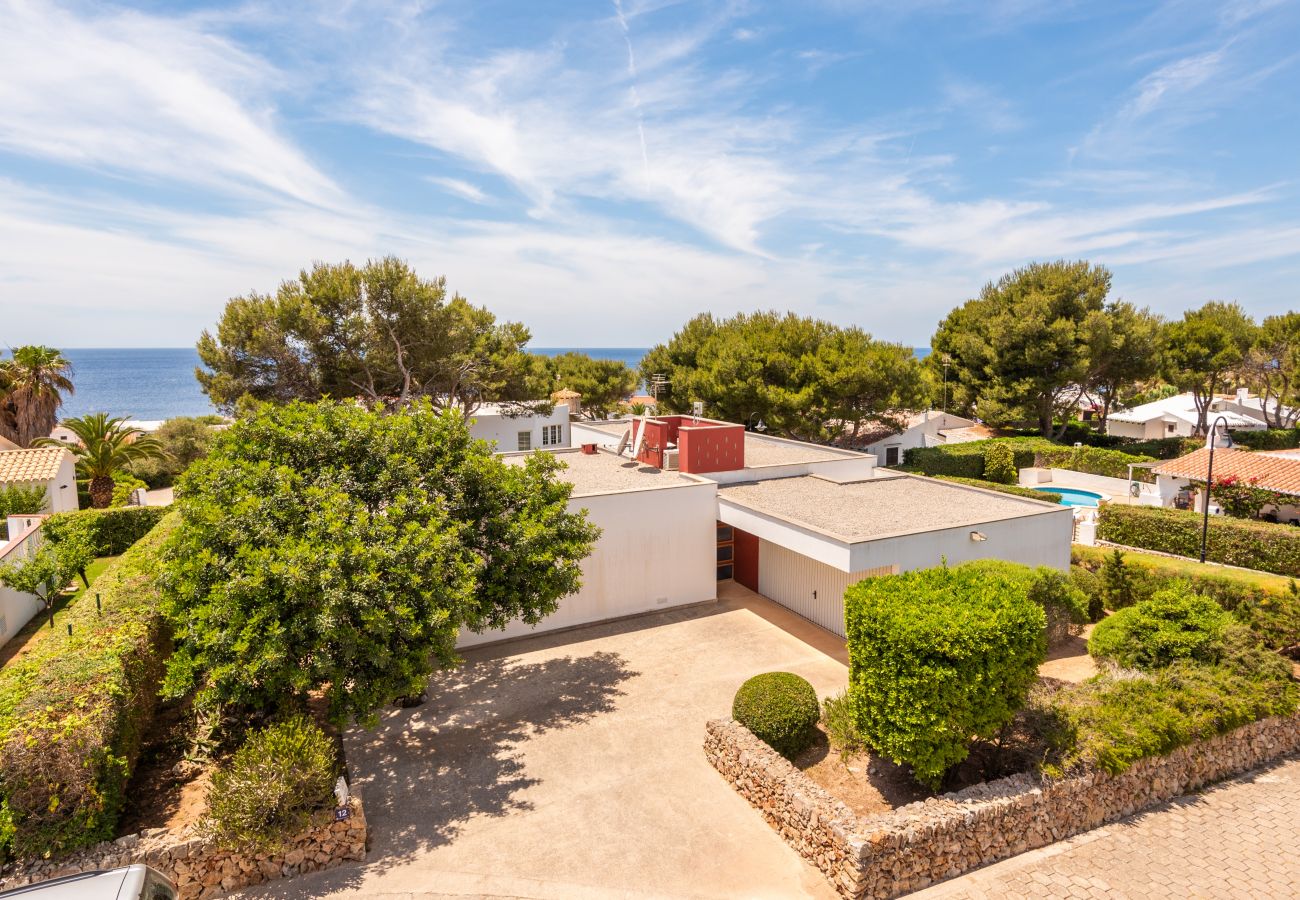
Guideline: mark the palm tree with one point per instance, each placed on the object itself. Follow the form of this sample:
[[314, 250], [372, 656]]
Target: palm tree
[[32, 385], [106, 445]]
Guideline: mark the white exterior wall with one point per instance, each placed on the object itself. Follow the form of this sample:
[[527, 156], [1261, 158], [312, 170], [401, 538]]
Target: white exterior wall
[[17, 609], [922, 434], [1135, 430], [1035, 540], [810, 588], [489, 425], [657, 549], [61, 494]]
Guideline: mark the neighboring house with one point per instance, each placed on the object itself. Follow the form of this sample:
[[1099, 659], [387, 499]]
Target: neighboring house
[[511, 432], [1254, 407], [1176, 417], [6, 444], [928, 428], [53, 467], [1278, 472], [706, 501], [17, 609]]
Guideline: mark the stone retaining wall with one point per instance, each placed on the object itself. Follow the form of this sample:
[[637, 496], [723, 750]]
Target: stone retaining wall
[[890, 854], [201, 869]]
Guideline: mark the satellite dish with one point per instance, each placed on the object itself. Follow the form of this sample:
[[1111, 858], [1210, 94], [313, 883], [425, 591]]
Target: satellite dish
[[624, 441], [639, 444]]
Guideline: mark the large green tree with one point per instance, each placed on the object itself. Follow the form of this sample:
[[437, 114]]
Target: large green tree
[[378, 331], [800, 376], [328, 547], [32, 385], [184, 440], [105, 446], [1020, 351], [1202, 351], [603, 383], [1123, 352], [1273, 369]]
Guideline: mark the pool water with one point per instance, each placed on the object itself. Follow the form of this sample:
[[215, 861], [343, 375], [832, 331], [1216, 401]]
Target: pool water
[[1073, 496]]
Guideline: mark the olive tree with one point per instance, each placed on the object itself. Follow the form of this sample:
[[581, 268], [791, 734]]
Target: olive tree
[[331, 548]]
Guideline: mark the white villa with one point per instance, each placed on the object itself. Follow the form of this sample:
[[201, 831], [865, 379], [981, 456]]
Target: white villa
[[512, 432], [52, 467], [689, 503], [927, 428], [1176, 416], [1278, 472]]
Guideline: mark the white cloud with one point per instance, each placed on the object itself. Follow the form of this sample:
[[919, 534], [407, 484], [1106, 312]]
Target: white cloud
[[462, 189]]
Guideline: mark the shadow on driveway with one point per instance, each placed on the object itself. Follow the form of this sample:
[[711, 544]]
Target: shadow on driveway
[[424, 772]]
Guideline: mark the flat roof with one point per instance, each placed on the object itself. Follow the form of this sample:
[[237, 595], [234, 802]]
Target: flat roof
[[760, 449], [881, 507], [604, 473]]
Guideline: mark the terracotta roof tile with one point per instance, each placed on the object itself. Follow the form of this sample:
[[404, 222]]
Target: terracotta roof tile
[[1276, 473], [39, 464]]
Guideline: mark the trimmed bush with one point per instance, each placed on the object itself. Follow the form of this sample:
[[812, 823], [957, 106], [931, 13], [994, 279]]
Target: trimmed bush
[[1274, 618], [999, 463], [109, 531], [939, 657], [1064, 605], [74, 708], [1271, 439], [1093, 461], [1162, 448], [1014, 490], [1174, 624], [781, 709], [966, 459], [1236, 542], [271, 786]]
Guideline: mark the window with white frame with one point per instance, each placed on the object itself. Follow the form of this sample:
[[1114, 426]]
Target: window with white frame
[[525, 440], [552, 435]]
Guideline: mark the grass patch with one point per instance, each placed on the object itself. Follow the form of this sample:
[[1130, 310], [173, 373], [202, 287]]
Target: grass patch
[[1172, 567], [38, 628]]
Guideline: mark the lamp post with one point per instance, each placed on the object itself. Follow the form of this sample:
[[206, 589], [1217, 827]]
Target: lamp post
[[1209, 480], [947, 361]]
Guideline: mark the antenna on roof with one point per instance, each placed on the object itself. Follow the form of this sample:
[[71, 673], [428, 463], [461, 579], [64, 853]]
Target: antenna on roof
[[658, 382], [697, 408]]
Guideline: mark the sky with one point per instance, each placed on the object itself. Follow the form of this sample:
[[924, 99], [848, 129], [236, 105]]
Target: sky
[[603, 171]]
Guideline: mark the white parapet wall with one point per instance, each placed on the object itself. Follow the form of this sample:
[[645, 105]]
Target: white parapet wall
[[17, 609], [657, 550]]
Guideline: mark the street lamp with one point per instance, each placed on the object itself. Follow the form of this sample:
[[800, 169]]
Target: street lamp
[[947, 361], [1209, 480]]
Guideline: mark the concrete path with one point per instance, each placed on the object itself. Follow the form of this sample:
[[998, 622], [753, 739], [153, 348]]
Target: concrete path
[[1238, 839], [572, 766]]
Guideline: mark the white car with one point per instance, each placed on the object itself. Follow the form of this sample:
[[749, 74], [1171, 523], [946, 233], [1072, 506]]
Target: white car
[[137, 882]]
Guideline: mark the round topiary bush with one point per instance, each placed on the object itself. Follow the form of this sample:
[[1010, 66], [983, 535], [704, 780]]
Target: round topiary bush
[[781, 709], [1174, 624]]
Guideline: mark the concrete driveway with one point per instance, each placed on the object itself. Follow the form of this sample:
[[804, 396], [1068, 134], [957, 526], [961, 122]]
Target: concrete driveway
[[572, 766]]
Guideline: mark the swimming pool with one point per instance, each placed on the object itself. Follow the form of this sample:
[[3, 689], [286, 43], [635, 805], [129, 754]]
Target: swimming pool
[[1073, 496]]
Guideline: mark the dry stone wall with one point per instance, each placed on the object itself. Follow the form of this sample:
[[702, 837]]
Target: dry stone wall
[[201, 869], [890, 854]]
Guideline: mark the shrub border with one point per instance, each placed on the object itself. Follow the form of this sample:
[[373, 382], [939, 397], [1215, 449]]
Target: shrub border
[[201, 869], [890, 854]]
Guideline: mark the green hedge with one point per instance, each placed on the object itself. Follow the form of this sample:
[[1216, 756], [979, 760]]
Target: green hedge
[[1272, 439], [1012, 489], [73, 711], [110, 531], [940, 656], [966, 459], [1174, 624], [1236, 542], [781, 709], [1162, 448], [1094, 461]]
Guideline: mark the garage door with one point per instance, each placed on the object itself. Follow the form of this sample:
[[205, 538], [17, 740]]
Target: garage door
[[810, 588]]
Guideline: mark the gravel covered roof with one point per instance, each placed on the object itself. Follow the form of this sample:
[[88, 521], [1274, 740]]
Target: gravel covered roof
[[881, 507], [603, 472]]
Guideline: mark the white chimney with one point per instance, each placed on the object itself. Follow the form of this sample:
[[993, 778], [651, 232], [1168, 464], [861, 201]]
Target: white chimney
[[1243, 394]]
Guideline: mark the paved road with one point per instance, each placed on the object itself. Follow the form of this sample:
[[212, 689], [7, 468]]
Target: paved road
[[1239, 839]]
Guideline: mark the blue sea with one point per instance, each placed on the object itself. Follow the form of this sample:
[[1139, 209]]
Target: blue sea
[[158, 383]]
